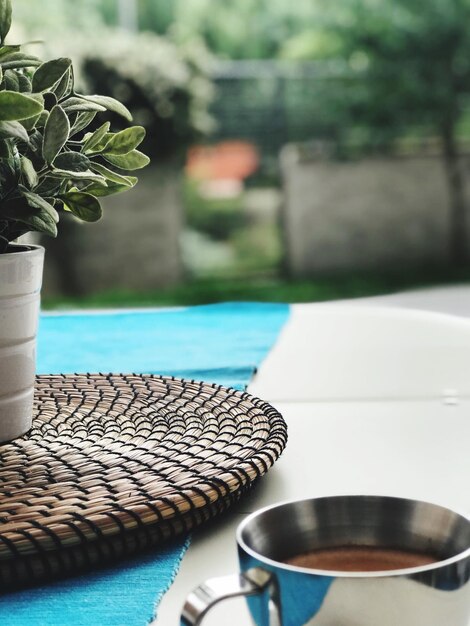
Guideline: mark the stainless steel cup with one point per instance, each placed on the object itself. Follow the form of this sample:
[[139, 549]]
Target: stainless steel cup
[[284, 595]]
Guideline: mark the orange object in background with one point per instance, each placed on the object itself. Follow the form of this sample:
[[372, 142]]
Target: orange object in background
[[228, 160]]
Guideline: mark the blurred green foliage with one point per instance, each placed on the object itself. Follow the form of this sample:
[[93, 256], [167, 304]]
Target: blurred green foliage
[[164, 82], [385, 65], [245, 227], [388, 70], [410, 60], [261, 289], [245, 29], [154, 15], [216, 217], [40, 17]]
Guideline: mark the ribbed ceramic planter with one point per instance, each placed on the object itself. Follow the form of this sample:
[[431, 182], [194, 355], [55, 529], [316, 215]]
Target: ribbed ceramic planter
[[20, 285]]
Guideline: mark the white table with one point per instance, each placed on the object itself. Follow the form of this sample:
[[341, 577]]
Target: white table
[[377, 400]]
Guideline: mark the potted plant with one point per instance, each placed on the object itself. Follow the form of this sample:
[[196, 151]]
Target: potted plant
[[49, 165]]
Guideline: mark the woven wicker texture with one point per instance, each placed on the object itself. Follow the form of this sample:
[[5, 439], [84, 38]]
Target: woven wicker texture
[[115, 464]]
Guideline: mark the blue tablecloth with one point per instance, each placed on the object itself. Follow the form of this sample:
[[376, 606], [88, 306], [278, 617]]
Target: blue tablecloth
[[221, 343]]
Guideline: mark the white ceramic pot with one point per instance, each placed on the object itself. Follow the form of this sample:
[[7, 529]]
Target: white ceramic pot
[[20, 285]]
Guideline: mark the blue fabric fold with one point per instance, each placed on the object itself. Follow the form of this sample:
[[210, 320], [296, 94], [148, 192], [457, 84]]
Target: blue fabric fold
[[222, 343]]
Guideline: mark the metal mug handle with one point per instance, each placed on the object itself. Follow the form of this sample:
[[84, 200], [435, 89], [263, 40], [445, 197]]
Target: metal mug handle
[[252, 582]]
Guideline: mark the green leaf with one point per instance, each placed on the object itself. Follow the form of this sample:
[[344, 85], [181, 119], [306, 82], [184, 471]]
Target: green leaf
[[5, 152], [16, 81], [12, 82], [56, 133], [83, 205], [4, 50], [9, 174], [13, 129], [28, 171], [113, 176], [135, 160], [50, 100], [42, 121], [35, 142], [72, 162], [88, 175], [40, 222], [64, 86], [110, 104], [101, 145], [38, 202], [82, 121], [48, 186], [5, 18], [17, 60], [16, 106], [38, 97], [24, 83], [31, 122], [78, 104], [125, 141], [95, 138], [50, 73], [110, 189], [43, 219]]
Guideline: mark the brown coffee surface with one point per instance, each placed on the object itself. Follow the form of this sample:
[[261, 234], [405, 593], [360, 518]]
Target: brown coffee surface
[[360, 559]]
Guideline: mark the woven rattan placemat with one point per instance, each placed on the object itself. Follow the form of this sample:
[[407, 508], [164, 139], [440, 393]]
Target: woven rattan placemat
[[117, 463]]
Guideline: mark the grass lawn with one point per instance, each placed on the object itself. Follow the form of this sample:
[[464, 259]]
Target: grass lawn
[[203, 291]]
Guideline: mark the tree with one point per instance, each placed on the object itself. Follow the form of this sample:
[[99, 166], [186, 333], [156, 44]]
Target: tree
[[414, 61], [165, 84], [56, 14], [245, 29]]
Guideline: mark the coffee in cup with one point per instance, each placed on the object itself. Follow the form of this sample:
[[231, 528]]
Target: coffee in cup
[[360, 559], [349, 561]]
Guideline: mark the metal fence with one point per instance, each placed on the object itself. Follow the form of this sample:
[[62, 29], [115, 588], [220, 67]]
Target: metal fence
[[271, 103]]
